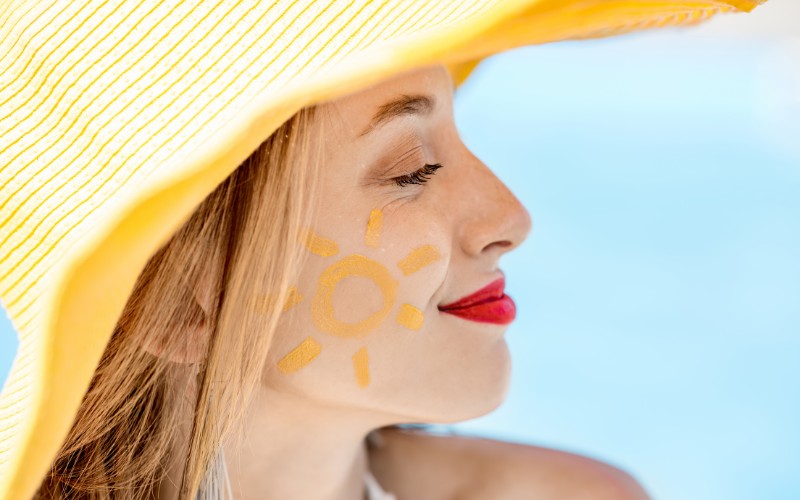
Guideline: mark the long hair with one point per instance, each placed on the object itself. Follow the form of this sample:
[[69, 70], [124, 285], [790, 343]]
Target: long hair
[[144, 411]]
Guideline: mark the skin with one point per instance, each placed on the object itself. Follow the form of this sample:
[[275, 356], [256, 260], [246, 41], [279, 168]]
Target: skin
[[414, 464], [305, 429]]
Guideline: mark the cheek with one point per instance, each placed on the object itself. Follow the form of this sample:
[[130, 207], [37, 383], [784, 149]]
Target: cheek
[[350, 300], [421, 258], [386, 275], [381, 277], [416, 250], [423, 269]]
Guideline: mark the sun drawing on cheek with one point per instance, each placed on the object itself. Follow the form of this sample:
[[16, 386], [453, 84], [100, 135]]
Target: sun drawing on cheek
[[322, 312]]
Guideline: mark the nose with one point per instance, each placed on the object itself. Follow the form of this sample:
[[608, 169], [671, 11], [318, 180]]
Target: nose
[[496, 222]]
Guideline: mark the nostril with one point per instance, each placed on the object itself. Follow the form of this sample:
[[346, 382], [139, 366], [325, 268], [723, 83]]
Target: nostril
[[501, 244]]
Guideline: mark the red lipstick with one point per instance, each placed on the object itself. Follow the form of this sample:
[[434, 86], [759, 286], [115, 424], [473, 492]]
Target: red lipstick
[[488, 305]]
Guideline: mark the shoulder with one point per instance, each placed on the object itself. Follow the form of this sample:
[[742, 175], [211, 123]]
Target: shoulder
[[417, 464]]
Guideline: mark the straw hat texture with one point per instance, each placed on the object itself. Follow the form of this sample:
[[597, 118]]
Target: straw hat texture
[[118, 118]]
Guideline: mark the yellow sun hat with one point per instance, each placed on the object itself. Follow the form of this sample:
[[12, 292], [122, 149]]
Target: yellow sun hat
[[118, 118]]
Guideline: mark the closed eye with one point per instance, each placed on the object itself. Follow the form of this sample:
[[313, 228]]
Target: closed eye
[[419, 177]]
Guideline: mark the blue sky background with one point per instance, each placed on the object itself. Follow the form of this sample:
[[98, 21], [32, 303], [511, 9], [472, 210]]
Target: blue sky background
[[658, 293], [658, 323]]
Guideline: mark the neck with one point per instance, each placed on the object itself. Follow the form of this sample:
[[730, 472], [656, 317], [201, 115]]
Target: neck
[[292, 447]]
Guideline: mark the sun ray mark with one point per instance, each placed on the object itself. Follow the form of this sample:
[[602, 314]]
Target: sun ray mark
[[300, 356], [361, 365], [316, 244], [372, 237], [418, 258], [410, 317], [292, 299], [267, 301]]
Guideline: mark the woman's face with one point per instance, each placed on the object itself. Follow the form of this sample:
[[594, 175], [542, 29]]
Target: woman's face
[[365, 330]]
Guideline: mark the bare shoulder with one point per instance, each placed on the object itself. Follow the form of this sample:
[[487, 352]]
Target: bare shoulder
[[420, 465]]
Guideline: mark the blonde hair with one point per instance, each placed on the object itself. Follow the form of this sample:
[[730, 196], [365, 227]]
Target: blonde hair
[[243, 241]]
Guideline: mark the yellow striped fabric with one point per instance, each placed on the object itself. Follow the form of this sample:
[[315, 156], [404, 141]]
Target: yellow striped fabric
[[118, 118]]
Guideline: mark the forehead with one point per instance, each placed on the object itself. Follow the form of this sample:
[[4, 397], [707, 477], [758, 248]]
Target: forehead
[[353, 112]]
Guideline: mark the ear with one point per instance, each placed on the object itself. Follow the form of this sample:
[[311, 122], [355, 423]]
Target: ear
[[190, 341]]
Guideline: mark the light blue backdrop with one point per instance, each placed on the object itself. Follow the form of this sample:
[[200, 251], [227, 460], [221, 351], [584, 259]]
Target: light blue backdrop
[[658, 324]]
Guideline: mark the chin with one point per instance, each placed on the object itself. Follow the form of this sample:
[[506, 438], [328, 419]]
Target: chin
[[480, 392]]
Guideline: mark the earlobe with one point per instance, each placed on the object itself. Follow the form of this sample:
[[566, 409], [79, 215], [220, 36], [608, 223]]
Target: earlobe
[[185, 342], [204, 291], [186, 346]]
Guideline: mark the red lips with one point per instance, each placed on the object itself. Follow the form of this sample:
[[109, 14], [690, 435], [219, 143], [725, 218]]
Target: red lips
[[487, 305]]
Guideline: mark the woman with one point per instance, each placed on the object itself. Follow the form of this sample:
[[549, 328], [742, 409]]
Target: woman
[[385, 229], [341, 280]]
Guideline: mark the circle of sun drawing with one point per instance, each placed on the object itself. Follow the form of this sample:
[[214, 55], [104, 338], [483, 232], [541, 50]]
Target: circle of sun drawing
[[361, 266]]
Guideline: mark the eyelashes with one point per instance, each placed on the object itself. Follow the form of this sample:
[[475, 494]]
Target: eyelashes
[[421, 176]]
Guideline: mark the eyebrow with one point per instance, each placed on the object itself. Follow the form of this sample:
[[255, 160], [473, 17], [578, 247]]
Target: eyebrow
[[414, 104]]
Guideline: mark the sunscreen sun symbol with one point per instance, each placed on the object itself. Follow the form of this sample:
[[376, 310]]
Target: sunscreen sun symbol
[[358, 265]]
